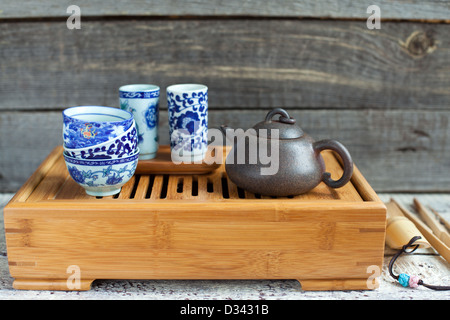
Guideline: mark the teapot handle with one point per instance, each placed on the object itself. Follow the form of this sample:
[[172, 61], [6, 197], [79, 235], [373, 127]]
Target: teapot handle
[[346, 159]]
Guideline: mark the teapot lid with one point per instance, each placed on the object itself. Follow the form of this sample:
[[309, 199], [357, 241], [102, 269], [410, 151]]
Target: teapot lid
[[285, 125]]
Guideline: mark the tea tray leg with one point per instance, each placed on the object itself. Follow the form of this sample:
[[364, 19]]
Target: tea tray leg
[[51, 284], [338, 284]]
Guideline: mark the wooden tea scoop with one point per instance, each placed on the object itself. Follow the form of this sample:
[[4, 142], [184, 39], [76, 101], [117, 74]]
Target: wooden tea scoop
[[437, 244], [400, 230], [429, 218]]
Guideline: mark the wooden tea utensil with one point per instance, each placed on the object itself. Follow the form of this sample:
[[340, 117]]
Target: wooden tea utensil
[[437, 244], [400, 230], [434, 224], [441, 219]]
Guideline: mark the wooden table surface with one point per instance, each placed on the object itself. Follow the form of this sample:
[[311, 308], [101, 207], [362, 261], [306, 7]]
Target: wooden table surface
[[425, 263]]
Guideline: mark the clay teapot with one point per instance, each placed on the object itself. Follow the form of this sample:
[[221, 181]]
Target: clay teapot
[[293, 166]]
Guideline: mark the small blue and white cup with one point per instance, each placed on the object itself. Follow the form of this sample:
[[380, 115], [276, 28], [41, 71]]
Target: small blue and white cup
[[87, 126], [142, 100], [188, 122]]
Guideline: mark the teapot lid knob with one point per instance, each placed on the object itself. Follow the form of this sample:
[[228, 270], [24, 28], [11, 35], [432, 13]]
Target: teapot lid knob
[[285, 118], [285, 126]]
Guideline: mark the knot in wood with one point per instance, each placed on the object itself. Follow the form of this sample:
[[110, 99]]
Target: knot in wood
[[419, 44]]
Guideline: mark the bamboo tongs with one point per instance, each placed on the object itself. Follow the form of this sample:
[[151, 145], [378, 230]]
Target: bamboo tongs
[[429, 236], [433, 223]]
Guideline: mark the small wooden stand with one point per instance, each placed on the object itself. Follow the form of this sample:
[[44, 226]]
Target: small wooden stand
[[173, 226]]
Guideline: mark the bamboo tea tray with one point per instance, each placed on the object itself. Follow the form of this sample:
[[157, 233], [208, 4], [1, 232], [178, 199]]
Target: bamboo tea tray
[[177, 226]]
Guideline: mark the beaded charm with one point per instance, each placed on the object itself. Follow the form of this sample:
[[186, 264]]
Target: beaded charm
[[408, 281], [414, 282], [405, 279]]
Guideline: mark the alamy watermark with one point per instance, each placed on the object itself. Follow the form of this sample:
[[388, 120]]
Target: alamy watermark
[[261, 148], [372, 280], [373, 22], [74, 20], [74, 280]]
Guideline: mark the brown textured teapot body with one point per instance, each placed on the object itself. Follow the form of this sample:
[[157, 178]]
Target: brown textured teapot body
[[276, 158]]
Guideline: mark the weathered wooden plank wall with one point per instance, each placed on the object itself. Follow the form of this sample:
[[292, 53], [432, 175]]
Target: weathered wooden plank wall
[[412, 9], [383, 93]]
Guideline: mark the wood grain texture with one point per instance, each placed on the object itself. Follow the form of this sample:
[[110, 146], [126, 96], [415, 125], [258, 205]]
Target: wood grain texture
[[207, 236], [400, 230], [286, 8], [162, 163], [395, 150], [246, 63], [383, 93], [424, 262], [320, 285], [433, 223], [52, 284], [440, 246]]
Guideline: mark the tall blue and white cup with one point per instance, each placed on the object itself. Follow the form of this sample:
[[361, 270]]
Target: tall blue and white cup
[[142, 100], [188, 122]]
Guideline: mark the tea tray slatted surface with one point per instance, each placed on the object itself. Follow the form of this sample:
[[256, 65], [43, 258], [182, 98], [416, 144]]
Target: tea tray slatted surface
[[191, 226]]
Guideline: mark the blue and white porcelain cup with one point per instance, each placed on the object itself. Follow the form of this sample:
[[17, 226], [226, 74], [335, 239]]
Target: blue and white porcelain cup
[[188, 122], [120, 147], [142, 100], [102, 177], [87, 126]]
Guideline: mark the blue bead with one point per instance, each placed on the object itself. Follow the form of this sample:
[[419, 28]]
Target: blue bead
[[403, 279]]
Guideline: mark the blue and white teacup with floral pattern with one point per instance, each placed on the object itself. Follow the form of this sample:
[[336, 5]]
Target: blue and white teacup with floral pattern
[[188, 122], [120, 147], [142, 100], [102, 177], [87, 126]]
